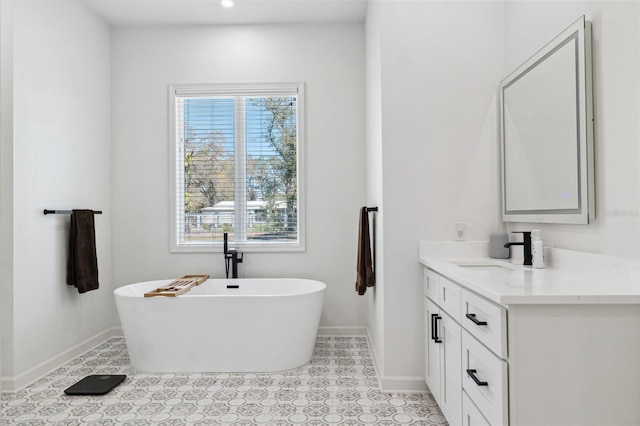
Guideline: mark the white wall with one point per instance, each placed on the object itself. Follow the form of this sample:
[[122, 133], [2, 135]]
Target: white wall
[[616, 69], [375, 295], [6, 180], [60, 159], [330, 59], [440, 64]]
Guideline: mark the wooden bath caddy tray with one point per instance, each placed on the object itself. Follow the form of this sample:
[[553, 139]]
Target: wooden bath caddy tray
[[178, 287]]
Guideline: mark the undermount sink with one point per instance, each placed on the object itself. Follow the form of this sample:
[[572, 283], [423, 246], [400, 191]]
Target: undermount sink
[[484, 266]]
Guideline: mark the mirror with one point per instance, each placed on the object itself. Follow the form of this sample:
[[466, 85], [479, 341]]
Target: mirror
[[546, 129]]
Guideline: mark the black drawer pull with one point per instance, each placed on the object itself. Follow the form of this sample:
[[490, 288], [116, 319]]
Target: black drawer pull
[[434, 328], [473, 318], [472, 374]]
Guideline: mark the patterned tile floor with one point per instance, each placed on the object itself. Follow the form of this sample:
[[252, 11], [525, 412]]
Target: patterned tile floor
[[338, 386]]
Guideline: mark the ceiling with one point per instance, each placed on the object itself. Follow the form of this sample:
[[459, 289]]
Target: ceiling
[[206, 12]]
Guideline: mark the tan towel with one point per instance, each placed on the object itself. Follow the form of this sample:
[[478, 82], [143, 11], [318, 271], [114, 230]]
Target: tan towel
[[82, 266], [365, 277]]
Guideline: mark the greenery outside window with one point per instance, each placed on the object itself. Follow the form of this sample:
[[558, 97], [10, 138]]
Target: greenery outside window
[[237, 162]]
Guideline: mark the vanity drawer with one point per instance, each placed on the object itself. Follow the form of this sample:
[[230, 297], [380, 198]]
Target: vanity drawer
[[432, 285], [471, 416], [484, 379], [486, 321], [450, 298]]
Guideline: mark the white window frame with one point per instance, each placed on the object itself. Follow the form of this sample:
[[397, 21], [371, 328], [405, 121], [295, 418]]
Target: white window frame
[[257, 89]]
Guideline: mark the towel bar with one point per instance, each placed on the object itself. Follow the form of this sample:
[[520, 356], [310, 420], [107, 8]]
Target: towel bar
[[46, 211], [373, 240]]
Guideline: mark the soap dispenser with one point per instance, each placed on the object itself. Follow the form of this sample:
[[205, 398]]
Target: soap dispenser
[[537, 249]]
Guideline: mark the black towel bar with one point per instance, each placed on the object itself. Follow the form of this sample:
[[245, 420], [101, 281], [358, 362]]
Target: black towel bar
[[373, 239], [46, 211]]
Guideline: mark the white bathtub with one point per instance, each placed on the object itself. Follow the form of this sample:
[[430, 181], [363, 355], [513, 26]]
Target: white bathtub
[[265, 325]]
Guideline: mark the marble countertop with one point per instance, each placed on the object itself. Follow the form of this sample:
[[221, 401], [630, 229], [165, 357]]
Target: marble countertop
[[573, 279]]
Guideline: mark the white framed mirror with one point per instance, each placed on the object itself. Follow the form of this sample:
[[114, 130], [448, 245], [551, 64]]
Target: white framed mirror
[[546, 130]]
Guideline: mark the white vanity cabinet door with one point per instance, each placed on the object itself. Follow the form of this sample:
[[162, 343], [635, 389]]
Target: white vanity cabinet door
[[471, 416], [486, 321], [431, 285], [485, 380], [450, 298], [443, 361], [432, 349], [451, 369]]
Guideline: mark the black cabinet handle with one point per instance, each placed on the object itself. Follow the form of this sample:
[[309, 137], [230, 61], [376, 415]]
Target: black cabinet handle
[[434, 328], [472, 374], [473, 318]]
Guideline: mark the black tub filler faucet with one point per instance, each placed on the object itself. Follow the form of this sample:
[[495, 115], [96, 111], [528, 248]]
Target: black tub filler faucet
[[232, 256]]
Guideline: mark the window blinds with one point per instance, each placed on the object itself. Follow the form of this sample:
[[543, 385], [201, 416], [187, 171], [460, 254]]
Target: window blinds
[[237, 167]]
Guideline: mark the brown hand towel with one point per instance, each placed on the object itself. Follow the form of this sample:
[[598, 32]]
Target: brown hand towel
[[82, 266], [365, 277]]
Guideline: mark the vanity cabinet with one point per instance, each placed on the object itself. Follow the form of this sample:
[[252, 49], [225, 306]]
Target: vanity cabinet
[[516, 351], [443, 345], [458, 366]]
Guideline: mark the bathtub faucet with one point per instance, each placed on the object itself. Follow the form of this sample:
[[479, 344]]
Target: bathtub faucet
[[231, 255]]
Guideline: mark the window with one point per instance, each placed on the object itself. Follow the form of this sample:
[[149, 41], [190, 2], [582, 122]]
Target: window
[[237, 166]]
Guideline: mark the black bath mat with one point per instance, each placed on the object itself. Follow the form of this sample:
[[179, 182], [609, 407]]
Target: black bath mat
[[96, 384]]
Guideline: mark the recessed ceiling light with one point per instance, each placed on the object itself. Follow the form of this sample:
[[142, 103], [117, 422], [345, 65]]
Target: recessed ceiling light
[[226, 3]]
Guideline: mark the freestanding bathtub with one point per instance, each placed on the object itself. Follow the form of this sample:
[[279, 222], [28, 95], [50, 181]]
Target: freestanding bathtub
[[264, 325]]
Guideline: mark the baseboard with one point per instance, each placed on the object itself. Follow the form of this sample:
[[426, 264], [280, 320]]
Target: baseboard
[[387, 383], [403, 384], [342, 331], [374, 357], [16, 383]]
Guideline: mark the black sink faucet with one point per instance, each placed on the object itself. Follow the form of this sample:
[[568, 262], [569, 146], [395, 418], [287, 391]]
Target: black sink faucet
[[526, 245], [231, 255]]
